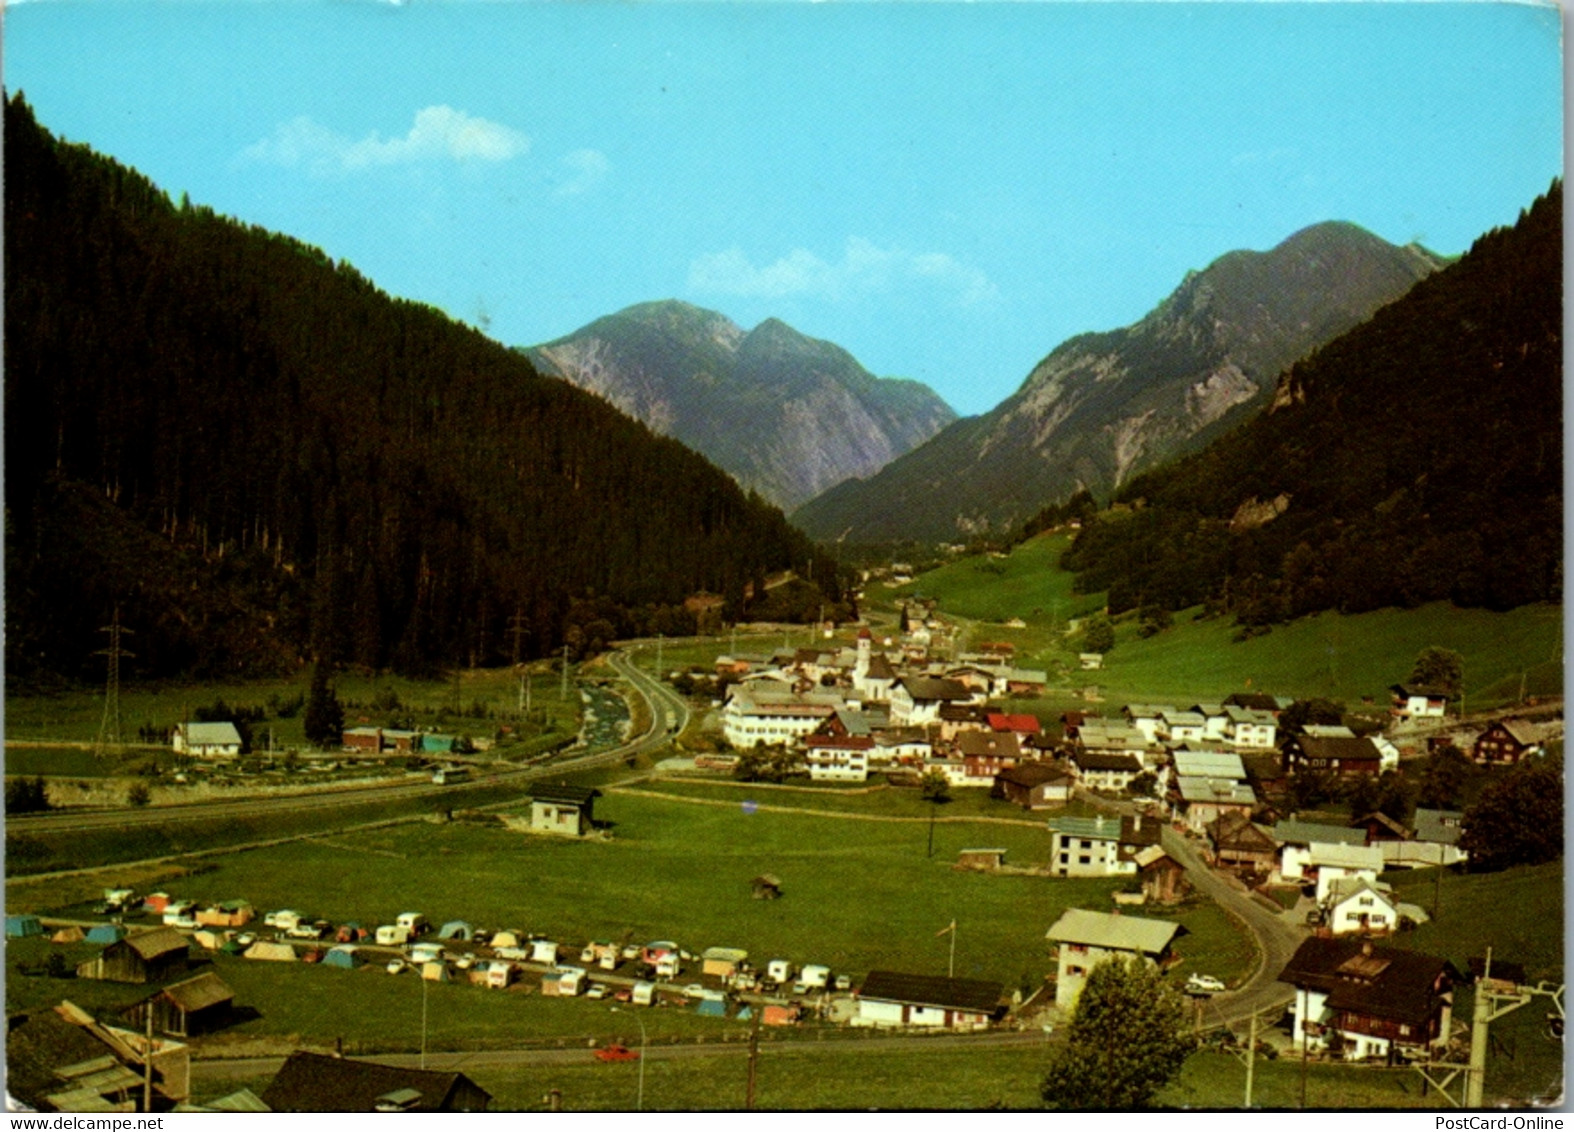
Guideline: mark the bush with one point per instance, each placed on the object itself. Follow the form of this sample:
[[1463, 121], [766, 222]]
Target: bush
[[139, 794]]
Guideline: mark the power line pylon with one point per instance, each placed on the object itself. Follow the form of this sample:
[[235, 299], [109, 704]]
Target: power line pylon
[[109, 727]]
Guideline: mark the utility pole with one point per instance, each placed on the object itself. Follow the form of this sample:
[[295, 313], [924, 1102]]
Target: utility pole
[[659, 641], [754, 1054], [517, 624], [109, 728], [147, 1065], [562, 692], [1251, 1058]]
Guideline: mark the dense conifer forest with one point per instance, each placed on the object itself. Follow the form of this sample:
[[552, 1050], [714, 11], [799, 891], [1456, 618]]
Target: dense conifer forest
[[1416, 458], [262, 459]]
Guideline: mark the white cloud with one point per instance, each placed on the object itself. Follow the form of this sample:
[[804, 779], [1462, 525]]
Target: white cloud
[[864, 268], [587, 168], [439, 133]]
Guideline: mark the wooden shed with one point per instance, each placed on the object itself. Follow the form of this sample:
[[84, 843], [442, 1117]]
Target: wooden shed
[[149, 957], [197, 1005], [563, 809]]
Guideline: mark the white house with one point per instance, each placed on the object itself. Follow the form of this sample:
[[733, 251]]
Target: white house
[[1333, 862], [1182, 726], [207, 740], [1417, 701], [1357, 904], [1086, 847], [1250, 729], [916, 700], [1087, 939], [1148, 719], [1100, 771], [838, 758], [1295, 839], [754, 718]]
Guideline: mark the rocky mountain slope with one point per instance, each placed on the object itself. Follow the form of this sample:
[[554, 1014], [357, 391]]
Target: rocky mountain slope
[[789, 416], [1103, 407]]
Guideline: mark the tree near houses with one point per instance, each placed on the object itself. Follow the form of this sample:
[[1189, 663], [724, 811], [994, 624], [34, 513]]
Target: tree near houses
[[1518, 819], [1098, 635], [1126, 1040], [1439, 668], [324, 719], [1443, 778]]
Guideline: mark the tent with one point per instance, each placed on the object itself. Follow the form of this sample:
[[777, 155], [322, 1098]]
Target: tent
[[106, 933], [210, 940], [20, 927], [505, 939], [233, 947], [344, 957], [435, 971], [276, 952], [68, 935], [712, 1007], [456, 929]]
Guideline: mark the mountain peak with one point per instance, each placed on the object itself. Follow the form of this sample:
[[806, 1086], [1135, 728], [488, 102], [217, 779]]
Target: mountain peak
[[788, 415]]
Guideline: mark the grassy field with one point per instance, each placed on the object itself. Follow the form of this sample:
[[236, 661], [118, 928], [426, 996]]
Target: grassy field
[[858, 894], [1344, 657]]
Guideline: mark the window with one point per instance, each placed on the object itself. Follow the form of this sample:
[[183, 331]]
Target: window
[[1366, 902], [1075, 971], [1084, 860]]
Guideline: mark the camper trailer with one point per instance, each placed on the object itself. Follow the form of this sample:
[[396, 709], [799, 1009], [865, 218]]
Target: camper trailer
[[778, 971], [644, 993], [393, 935], [814, 976], [414, 923]]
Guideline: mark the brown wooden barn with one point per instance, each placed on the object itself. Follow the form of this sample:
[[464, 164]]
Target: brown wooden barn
[[198, 1005], [149, 957]]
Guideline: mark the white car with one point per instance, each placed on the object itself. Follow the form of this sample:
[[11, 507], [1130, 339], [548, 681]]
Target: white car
[[1204, 984], [396, 966], [597, 990]]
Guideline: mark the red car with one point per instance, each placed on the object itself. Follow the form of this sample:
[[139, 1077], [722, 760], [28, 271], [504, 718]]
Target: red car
[[616, 1053]]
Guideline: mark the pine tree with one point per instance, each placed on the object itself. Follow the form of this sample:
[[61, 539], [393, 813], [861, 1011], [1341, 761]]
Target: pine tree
[[324, 719]]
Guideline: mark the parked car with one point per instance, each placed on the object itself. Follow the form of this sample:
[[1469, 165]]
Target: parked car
[[616, 1053], [245, 939], [395, 966], [1204, 984], [597, 990]]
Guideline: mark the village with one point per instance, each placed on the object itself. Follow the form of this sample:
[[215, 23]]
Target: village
[[1173, 801]]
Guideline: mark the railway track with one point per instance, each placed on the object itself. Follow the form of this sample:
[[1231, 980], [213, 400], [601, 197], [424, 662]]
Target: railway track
[[659, 701]]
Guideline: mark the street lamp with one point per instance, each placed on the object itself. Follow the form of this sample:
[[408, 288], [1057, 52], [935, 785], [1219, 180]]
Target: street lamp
[[639, 1105]]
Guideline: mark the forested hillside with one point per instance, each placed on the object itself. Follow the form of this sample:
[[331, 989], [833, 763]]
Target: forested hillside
[[1418, 457], [261, 458]]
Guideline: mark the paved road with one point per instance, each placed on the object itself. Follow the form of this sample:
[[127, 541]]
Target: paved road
[[1276, 939], [658, 699], [233, 1068]]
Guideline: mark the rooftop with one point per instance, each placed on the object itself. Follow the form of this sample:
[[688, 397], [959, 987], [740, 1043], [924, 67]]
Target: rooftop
[[1113, 932]]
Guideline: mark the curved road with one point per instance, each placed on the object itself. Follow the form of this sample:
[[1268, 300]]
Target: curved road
[[658, 700]]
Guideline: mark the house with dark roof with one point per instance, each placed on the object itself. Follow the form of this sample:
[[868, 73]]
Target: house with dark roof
[[1358, 1000], [1240, 843], [558, 808], [891, 998], [1107, 771], [1034, 785], [1086, 847], [314, 1082], [198, 1005], [1418, 701], [147, 957], [1337, 756], [918, 699]]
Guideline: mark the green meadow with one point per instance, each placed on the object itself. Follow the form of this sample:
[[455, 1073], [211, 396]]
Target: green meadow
[[1346, 657], [858, 894]]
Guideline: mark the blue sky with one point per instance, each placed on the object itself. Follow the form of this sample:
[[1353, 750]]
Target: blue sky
[[947, 190]]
